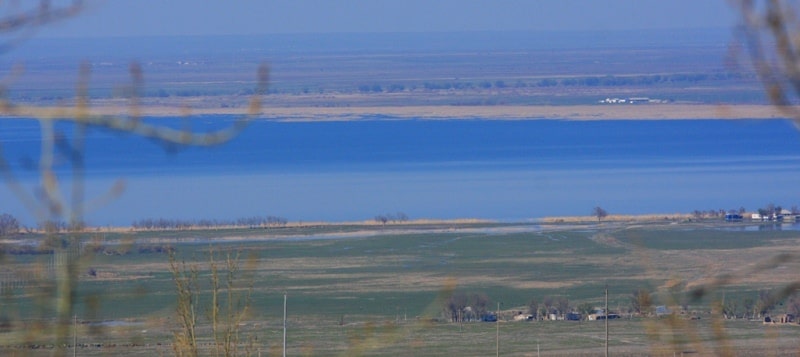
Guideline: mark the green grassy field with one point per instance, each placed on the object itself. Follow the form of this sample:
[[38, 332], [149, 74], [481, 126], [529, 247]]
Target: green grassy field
[[380, 291]]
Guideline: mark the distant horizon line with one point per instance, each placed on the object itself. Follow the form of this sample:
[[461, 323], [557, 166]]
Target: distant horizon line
[[444, 32]]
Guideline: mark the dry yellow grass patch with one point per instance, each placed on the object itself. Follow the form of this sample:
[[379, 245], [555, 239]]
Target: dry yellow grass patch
[[702, 267], [666, 217]]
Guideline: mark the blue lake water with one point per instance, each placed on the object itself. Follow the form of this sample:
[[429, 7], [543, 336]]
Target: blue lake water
[[508, 170]]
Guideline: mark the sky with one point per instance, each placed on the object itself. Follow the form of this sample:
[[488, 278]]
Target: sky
[[112, 18]]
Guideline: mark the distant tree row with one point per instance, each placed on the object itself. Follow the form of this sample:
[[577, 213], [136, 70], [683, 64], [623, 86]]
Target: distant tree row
[[587, 81], [644, 80], [642, 303], [10, 225], [465, 307], [551, 305], [376, 87], [169, 224], [765, 303], [713, 213], [391, 217], [772, 209]]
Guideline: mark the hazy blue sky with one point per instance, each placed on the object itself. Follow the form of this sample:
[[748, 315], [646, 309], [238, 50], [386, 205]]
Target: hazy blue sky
[[203, 17]]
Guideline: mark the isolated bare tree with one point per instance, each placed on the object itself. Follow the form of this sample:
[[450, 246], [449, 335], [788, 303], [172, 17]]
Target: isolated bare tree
[[8, 225], [533, 308], [562, 304], [766, 302], [455, 306], [585, 309], [793, 305], [548, 303], [731, 308], [599, 212], [641, 301]]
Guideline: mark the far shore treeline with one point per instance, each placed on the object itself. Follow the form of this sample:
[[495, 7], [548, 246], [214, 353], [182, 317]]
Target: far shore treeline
[[10, 225]]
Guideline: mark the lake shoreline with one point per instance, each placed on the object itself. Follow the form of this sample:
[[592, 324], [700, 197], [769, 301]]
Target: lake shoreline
[[669, 111], [376, 227]]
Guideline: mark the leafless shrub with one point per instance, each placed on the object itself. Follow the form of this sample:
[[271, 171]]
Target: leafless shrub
[[185, 279], [226, 305], [9, 225]]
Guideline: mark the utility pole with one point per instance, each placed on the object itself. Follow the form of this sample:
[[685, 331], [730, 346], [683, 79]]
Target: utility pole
[[75, 335], [497, 323], [284, 325], [606, 313]]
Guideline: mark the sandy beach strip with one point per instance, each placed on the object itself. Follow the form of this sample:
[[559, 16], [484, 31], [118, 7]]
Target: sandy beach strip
[[578, 112], [671, 111]]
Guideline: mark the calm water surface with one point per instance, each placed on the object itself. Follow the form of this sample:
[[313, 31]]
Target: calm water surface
[[510, 170]]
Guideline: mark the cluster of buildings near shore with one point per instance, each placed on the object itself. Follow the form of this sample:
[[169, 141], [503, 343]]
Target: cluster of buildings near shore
[[633, 100], [783, 215]]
